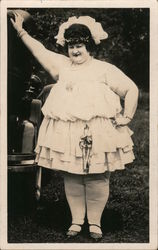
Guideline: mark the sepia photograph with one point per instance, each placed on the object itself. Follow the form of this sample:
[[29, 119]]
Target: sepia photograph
[[79, 157]]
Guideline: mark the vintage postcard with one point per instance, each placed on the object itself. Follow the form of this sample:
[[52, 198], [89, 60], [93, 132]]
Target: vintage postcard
[[78, 113]]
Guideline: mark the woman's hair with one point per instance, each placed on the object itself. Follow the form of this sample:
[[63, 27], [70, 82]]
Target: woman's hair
[[79, 33]]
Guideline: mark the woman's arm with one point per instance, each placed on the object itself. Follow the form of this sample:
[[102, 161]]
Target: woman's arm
[[125, 88], [49, 60]]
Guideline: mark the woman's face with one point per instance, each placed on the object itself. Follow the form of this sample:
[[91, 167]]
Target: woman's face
[[78, 53]]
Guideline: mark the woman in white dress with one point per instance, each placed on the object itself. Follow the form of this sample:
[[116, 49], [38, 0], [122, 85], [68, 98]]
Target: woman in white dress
[[84, 132]]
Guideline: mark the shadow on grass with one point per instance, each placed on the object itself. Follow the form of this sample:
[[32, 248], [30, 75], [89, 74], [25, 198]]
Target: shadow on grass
[[50, 221], [125, 218]]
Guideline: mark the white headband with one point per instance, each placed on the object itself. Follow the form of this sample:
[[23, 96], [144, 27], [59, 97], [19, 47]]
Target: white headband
[[95, 28]]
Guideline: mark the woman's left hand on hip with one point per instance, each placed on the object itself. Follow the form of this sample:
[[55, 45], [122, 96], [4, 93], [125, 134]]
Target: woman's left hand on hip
[[122, 121]]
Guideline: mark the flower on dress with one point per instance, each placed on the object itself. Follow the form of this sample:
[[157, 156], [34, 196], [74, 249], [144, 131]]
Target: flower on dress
[[95, 28]]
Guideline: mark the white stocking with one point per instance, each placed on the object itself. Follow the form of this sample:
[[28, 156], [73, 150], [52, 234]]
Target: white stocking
[[75, 194], [86, 192], [97, 193]]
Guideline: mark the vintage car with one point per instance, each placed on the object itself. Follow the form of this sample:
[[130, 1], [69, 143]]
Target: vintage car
[[24, 118]]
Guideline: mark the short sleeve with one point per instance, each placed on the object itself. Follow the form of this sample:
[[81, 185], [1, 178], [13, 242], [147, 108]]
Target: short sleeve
[[118, 81], [124, 87]]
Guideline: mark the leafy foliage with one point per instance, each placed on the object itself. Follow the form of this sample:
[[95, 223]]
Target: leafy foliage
[[127, 46]]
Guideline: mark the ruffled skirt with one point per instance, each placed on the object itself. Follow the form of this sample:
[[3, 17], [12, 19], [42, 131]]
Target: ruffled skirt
[[58, 145]]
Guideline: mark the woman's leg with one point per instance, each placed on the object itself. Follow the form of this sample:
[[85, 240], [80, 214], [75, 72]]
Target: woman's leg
[[75, 194], [97, 193]]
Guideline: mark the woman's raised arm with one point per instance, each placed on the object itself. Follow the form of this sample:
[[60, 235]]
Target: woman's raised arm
[[48, 59]]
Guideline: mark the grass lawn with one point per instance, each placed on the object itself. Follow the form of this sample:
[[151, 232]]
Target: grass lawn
[[126, 217]]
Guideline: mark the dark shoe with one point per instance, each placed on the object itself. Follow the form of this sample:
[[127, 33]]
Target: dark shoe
[[95, 232], [74, 230]]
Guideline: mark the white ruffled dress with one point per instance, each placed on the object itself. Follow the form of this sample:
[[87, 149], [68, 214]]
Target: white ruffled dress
[[83, 96]]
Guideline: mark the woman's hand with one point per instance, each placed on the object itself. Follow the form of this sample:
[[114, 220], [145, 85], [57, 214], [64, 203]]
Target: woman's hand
[[122, 121], [18, 23]]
